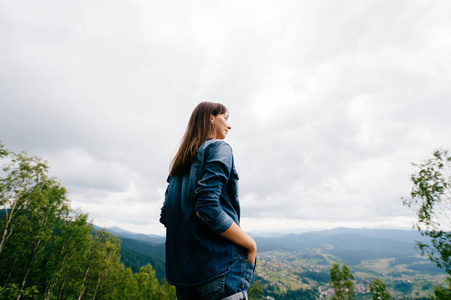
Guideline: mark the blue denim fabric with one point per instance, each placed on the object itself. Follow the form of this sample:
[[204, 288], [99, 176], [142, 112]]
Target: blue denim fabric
[[232, 286], [195, 252]]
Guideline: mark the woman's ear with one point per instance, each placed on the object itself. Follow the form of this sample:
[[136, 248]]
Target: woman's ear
[[212, 119]]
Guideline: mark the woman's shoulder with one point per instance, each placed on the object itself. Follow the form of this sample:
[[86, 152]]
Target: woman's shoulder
[[215, 146]]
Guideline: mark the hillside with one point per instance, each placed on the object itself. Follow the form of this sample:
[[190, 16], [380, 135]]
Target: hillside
[[138, 250]]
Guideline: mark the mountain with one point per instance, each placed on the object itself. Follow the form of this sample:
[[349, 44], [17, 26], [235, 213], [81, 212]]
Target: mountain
[[125, 234], [350, 245], [146, 238]]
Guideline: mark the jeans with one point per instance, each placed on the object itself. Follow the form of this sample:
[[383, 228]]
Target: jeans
[[231, 286]]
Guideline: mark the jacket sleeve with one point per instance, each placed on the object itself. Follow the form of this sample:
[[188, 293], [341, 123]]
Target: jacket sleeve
[[215, 174], [163, 209]]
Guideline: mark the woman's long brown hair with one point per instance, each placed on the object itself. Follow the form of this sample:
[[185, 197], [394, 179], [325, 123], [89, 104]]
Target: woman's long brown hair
[[198, 131]]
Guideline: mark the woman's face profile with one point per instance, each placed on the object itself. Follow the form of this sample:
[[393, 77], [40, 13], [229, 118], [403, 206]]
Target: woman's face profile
[[221, 125]]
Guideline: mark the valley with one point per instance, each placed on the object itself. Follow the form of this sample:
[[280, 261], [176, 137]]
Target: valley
[[281, 271]]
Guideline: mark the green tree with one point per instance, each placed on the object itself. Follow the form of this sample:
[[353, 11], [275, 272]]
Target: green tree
[[255, 291], [126, 288], [22, 178], [379, 290], [70, 248], [49, 251], [102, 267], [47, 207], [342, 282], [167, 291], [147, 283], [33, 205], [430, 199], [443, 293]]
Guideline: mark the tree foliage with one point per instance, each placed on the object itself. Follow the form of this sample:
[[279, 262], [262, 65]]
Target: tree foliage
[[49, 251], [443, 293], [342, 282], [379, 290], [430, 199], [255, 291]]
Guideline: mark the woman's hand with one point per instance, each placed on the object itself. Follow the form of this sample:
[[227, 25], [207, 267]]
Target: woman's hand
[[237, 235], [252, 254]]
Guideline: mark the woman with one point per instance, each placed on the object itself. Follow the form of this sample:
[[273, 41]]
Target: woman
[[208, 255]]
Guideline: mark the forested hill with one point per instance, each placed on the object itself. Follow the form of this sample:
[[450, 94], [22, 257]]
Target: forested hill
[[138, 250]]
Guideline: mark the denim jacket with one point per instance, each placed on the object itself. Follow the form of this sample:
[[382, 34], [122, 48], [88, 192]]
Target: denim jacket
[[195, 250]]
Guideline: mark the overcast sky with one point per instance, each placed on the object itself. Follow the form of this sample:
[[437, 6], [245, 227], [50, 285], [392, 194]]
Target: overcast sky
[[330, 101]]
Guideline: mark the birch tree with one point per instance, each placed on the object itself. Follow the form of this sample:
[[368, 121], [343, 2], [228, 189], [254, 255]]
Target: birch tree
[[71, 246], [48, 251], [343, 282], [378, 290], [20, 175], [430, 199]]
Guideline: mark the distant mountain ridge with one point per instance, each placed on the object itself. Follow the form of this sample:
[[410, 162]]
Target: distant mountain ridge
[[351, 245], [341, 237], [122, 233], [313, 236]]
